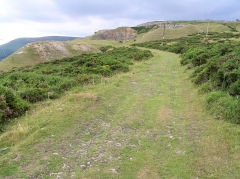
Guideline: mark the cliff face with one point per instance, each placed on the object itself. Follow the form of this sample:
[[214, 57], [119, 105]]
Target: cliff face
[[123, 34]]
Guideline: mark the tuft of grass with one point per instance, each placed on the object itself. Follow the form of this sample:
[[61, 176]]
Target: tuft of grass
[[224, 106]]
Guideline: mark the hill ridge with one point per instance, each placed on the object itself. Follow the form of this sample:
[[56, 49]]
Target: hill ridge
[[12, 46]]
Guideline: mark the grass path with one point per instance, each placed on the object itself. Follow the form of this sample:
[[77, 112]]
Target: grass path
[[148, 123]]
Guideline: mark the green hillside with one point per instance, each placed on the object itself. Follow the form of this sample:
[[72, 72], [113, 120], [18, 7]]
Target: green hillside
[[189, 28]]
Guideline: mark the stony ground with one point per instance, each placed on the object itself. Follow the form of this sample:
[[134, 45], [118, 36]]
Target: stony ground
[[148, 123]]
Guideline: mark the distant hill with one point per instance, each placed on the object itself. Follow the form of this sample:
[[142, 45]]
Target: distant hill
[[12, 46]]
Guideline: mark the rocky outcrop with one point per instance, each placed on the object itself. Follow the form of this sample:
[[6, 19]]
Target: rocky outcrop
[[56, 49], [50, 50], [122, 34], [38, 52]]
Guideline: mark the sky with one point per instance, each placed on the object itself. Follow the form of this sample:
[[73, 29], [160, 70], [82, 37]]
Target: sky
[[80, 18]]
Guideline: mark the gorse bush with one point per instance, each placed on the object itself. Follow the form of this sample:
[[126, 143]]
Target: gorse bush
[[215, 63], [19, 88], [106, 48], [144, 29], [218, 63], [224, 106], [11, 105], [231, 26], [217, 69]]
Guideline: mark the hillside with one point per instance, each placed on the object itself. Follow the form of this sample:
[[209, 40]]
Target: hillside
[[38, 52], [186, 28], [12, 46]]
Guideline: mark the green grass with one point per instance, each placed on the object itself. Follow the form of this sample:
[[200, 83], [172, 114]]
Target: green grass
[[50, 79], [147, 123], [157, 34], [30, 57], [97, 43]]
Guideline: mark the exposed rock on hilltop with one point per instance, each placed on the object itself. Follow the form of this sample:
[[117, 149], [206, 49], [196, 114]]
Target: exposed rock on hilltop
[[56, 49], [49, 50], [120, 34], [38, 52], [12, 46]]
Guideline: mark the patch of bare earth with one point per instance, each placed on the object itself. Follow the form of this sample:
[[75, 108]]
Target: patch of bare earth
[[50, 49], [86, 95], [146, 173], [164, 115], [83, 47], [55, 49]]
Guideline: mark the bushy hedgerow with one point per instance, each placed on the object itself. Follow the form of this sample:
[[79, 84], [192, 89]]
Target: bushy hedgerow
[[19, 88], [224, 106], [144, 29], [217, 68], [105, 48], [11, 105]]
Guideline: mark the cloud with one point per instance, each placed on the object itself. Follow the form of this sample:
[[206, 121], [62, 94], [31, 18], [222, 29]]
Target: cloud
[[81, 17]]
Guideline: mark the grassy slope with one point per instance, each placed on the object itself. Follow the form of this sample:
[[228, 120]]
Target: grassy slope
[[31, 57], [148, 123], [97, 43], [157, 34]]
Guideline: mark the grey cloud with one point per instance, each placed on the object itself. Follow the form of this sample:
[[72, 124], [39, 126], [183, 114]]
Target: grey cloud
[[57, 10], [155, 9]]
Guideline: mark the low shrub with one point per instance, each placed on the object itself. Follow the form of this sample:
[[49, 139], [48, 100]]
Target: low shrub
[[224, 106], [144, 29], [11, 105], [20, 87]]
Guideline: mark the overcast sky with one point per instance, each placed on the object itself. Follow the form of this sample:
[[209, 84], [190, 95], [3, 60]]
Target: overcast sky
[[33, 18]]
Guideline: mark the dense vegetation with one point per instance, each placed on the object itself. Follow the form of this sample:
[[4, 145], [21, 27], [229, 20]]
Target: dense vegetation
[[144, 29], [215, 61], [181, 45], [217, 69], [19, 88], [231, 26]]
